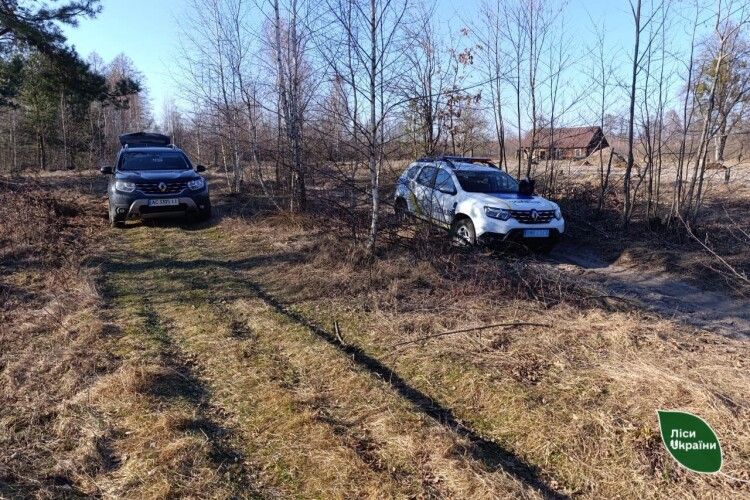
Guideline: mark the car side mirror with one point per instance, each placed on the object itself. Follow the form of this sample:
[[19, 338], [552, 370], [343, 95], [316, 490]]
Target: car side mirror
[[106, 170], [200, 168], [526, 187]]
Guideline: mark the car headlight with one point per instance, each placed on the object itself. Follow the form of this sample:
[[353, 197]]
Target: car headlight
[[196, 184], [125, 186], [558, 213], [497, 213]]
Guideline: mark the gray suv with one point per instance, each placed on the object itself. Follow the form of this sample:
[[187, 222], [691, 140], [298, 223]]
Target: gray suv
[[151, 178]]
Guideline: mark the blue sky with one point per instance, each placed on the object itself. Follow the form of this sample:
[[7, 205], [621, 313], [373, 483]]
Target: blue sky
[[143, 30], [147, 31]]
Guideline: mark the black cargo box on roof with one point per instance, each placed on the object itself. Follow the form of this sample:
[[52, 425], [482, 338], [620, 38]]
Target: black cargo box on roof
[[144, 140]]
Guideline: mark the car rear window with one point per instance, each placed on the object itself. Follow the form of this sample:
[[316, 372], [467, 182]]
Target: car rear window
[[153, 160]]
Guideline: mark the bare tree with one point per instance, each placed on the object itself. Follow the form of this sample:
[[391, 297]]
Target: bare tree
[[537, 19], [640, 23], [732, 85], [730, 19], [603, 79], [496, 63], [686, 121], [370, 34], [210, 78], [631, 113], [426, 78], [289, 50], [513, 15]]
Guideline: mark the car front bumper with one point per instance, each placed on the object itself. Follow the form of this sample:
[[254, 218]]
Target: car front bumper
[[136, 205], [513, 229], [516, 236]]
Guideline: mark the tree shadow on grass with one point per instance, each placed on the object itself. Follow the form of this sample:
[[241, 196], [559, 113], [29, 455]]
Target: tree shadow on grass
[[489, 453]]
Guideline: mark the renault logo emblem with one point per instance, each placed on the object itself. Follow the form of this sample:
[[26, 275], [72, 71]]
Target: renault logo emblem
[[534, 215], [163, 187]]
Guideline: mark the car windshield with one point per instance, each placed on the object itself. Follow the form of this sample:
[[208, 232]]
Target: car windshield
[[474, 181], [153, 160]]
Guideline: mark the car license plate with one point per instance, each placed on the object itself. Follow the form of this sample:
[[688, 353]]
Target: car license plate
[[536, 233], [166, 202]]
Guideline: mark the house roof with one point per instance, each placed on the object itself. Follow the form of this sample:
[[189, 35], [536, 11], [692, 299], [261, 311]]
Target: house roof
[[564, 137]]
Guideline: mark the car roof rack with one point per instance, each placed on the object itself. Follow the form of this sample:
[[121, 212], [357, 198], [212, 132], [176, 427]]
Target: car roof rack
[[452, 160], [145, 140]]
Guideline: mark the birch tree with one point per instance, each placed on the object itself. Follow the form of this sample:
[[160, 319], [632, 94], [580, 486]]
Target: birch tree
[[368, 63]]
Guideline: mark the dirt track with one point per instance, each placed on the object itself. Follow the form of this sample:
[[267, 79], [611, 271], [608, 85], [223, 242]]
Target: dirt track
[[659, 292]]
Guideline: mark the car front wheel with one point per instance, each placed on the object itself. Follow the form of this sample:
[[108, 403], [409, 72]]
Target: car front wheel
[[114, 220], [463, 233], [205, 214]]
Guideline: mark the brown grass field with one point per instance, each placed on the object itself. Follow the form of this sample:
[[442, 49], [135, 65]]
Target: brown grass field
[[260, 356]]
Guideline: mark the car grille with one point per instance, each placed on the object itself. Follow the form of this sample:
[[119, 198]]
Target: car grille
[[524, 216], [170, 187]]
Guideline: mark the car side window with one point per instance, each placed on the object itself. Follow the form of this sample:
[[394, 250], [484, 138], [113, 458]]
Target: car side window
[[427, 176], [444, 182], [411, 173]]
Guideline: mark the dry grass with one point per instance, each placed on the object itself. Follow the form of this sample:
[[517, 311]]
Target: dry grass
[[578, 399], [52, 347], [308, 421], [91, 402], [200, 361]]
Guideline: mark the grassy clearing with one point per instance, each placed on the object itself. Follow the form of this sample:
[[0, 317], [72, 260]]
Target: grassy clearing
[[311, 423], [577, 399], [202, 361]]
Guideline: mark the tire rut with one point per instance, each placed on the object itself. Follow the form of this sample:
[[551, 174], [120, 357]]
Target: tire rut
[[226, 347], [186, 433]]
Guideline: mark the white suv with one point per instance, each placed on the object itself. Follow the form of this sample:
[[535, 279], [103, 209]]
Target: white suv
[[476, 201]]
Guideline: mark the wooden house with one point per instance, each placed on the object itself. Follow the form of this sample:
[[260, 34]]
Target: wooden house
[[572, 143]]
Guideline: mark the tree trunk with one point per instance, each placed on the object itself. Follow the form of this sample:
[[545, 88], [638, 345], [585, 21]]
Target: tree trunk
[[42, 151], [372, 150], [631, 121], [721, 141], [64, 130], [14, 140], [518, 111], [295, 127]]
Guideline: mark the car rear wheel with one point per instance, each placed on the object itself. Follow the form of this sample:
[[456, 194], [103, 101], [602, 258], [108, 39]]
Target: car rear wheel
[[401, 210], [463, 233]]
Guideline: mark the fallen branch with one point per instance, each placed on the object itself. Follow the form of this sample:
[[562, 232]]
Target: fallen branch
[[487, 327], [730, 268], [613, 297], [337, 331]]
